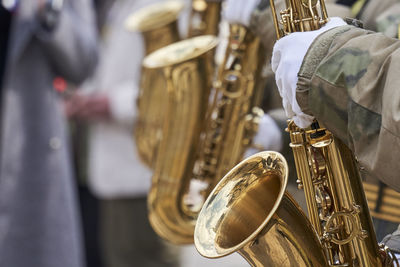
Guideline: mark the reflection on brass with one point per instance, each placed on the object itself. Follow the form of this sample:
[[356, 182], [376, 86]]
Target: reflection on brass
[[299, 16], [327, 170], [250, 212], [158, 26], [203, 137], [187, 68], [233, 115], [335, 198]]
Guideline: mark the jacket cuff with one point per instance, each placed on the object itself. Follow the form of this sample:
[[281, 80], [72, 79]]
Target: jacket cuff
[[315, 54]]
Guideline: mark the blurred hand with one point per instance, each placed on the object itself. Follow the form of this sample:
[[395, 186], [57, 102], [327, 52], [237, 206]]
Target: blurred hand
[[287, 57], [239, 11], [87, 107]]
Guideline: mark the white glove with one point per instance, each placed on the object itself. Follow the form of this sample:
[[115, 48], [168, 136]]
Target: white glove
[[239, 11], [287, 57], [268, 137]]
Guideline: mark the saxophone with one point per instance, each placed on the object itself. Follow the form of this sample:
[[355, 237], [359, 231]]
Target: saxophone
[[234, 112], [203, 115], [158, 25], [250, 212], [187, 67]]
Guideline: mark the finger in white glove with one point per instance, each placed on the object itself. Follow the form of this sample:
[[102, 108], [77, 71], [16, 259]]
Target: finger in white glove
[[287, 57], [239, 11], [268, 137]]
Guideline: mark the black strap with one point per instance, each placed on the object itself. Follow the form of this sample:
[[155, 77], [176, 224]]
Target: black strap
[[348, 3]]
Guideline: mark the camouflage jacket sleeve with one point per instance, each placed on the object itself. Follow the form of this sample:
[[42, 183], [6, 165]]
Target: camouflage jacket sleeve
[[350, 81]]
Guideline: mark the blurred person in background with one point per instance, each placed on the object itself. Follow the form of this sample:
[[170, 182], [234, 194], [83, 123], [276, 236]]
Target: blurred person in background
[[115, 174], [40, 40]]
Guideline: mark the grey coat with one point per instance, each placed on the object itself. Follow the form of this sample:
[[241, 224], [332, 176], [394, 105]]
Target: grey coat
[[39, 224]]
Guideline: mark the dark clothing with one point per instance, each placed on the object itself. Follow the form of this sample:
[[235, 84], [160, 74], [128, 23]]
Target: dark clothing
[[348, 3], [128, 237], [89, 206], [5, 23]]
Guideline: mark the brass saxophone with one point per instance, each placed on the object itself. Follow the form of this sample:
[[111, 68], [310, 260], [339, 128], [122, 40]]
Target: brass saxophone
[[196, 135], [158, 26], [188, 69], [234, 113], [205, 17], [248, 211]]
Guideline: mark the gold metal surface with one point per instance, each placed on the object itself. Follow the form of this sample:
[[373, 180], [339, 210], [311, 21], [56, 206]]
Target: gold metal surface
[[335, 198], [327, 169], [158, 26], [187, 67], [250, 212], [299, 16], [197, 145], [204, 18], [154, 16], [233, 115], [157, 23], [175, 91]]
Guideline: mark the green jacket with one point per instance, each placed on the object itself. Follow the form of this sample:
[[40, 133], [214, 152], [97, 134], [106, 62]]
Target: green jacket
[[350, 80]]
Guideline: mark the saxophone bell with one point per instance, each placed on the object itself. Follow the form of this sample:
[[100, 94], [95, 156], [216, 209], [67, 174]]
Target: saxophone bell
[[250, 212], [243, 213]]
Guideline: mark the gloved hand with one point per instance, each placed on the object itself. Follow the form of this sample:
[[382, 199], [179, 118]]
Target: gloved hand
[[287, 57], [239, 11], [268, 137]]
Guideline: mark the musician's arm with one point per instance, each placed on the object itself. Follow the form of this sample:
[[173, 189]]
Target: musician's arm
[[350, 82]]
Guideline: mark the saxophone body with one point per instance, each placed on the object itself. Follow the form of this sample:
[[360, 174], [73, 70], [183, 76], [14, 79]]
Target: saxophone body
[[187, 66], [339, 221], [335, 198], [158, 26], [233, 115], [201, 122]]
